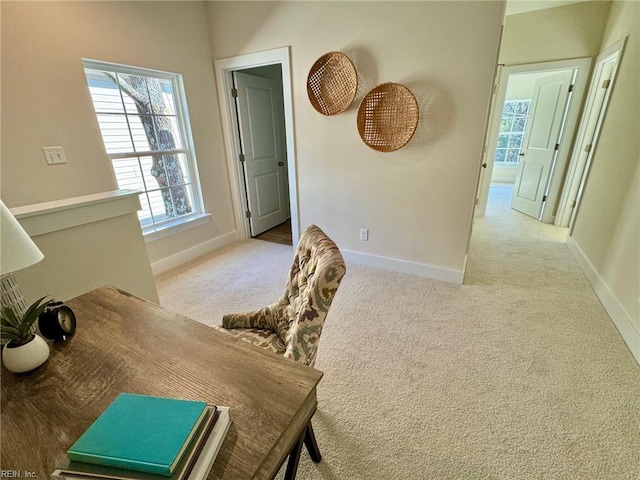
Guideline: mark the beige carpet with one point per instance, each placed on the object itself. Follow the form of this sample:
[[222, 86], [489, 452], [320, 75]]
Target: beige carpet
[[518, 374]]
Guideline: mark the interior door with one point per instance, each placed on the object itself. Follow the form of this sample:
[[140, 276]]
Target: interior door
[[587, 135], [542, 135], [261, 120]]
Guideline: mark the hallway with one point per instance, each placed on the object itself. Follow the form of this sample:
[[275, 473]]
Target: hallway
[[509, 248]]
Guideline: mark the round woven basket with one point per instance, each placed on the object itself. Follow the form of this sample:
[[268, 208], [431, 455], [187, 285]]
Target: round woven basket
[[332, 83], [388, 117]]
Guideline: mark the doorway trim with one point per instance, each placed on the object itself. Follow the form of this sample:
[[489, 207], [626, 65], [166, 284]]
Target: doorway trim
[[582, 67], [576, 176], [224, 69]]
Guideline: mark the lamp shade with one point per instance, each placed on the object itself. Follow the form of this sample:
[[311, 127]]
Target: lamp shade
[[17, 250]]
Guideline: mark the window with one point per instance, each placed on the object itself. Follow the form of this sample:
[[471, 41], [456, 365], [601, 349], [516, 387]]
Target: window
[[144, 124], [512, 127]]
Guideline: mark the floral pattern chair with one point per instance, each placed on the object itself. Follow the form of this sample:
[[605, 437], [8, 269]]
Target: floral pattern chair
[[292, 325]]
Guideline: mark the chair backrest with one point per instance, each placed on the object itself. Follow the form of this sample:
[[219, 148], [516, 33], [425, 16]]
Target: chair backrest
[[314, 277]]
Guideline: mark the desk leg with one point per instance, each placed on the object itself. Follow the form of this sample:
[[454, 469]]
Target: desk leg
[[294, 459], [312, 444]]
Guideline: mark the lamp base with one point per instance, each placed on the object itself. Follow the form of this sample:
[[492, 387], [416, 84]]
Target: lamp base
[[11, 294]]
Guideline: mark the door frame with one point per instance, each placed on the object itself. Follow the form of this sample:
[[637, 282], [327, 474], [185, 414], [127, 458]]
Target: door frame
[[224, 69], [582, 67], [576, 178]]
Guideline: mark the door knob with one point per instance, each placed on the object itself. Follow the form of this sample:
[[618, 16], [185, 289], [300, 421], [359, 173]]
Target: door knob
[[280, 164], [484, 165], [521, 154]]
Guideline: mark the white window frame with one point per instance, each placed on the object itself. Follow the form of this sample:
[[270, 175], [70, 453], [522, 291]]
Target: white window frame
[[197, 217]]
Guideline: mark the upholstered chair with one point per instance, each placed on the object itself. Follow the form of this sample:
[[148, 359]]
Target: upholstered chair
[[292, 325]]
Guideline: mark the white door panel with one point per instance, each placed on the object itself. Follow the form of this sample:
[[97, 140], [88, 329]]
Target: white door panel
[[268, 193], [544, 125], [531, 181], [260, 119]]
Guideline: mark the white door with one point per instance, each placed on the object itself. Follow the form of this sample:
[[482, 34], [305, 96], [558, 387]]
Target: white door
[[592, 117], [261, 121], [542, 135]]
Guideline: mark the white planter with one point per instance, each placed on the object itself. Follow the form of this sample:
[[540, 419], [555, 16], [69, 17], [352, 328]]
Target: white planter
[[25, 357]]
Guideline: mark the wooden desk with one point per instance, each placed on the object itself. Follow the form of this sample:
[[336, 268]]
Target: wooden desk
[[126, 344]]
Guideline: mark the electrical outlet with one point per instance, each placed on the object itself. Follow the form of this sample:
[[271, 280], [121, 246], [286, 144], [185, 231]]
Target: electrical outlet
[[364, 234], [54, 155]]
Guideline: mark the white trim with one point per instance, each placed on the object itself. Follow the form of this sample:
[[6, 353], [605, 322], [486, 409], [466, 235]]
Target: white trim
[[575, 180], [179, 225], [581, 66], [403, 266], [224, 68], [183, 123], [190, 253], [47, 217], [620, 318]]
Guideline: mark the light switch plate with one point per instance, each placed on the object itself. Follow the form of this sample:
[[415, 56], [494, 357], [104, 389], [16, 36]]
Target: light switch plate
[[54, 155]]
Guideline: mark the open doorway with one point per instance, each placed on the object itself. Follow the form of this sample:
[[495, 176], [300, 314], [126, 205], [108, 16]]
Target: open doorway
[[532, 123], [261, 160], [259, 111]]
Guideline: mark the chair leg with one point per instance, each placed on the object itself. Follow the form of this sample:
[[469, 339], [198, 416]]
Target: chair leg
[[294, 459], [312, 444]]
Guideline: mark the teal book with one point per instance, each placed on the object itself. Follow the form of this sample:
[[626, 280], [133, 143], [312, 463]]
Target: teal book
[[141, 433]]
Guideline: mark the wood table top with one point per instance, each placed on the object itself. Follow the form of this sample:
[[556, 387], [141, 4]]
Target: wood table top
[[126, 344]]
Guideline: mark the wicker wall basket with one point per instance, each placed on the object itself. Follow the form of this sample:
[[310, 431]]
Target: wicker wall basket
[[388, 117], [332, 83]]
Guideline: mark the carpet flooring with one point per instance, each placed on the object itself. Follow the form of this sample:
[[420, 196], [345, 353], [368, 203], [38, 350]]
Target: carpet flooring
[[517, 374]]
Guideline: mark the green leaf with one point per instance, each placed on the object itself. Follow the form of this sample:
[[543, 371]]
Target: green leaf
[[18, 328], [34, 308]]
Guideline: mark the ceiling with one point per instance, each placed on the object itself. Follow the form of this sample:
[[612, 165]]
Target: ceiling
[[522, 6]]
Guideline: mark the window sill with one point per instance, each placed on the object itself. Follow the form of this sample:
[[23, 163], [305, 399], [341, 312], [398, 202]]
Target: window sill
[[151, 234]]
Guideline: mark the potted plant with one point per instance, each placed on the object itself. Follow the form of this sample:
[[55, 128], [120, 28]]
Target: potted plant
[[25, 349]]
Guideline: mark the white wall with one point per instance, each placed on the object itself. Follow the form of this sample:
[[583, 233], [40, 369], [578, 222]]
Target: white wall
[[607, 224], [417, 202], [571, 31], [45, 102]]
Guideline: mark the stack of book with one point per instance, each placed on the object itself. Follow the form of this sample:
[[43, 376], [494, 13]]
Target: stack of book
[[141, 437]]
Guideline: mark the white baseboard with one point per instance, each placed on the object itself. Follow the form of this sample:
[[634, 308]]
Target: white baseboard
[[620, 318], [184, 256], [403, 266]]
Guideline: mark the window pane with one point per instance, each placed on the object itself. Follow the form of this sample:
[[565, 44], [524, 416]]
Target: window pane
[[505, 124], [169, 137], [515, 141], [162, 99], [500, 155], [145, 131], [138, 132], [104, 92], [128, 173], [175, 168], [522, 108], [503, 140], [144, 215], [115, 133], [134, 89], [182, 199], [513, 155], [161, 211], [146, 164], [519, 124], [508, 108]]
